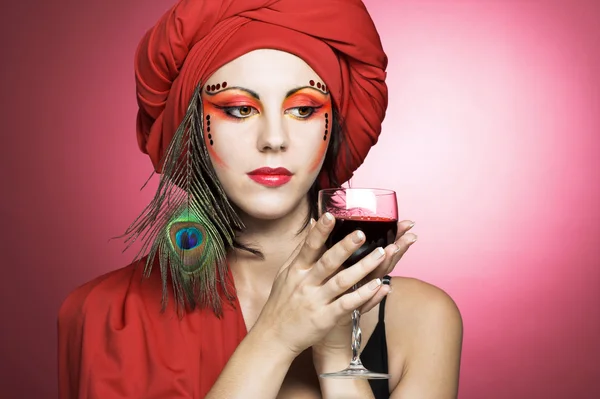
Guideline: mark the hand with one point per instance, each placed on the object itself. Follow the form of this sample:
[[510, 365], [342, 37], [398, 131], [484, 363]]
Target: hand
[[307, 300], [394, 253], [337, 341]]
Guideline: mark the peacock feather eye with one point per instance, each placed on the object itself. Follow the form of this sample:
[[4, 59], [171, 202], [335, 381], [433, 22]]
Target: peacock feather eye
[[190, 241], [188, 238]]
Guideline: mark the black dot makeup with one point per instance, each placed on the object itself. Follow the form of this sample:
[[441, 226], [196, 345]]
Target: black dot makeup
[[218, 86], [211, 142], [319, 85]]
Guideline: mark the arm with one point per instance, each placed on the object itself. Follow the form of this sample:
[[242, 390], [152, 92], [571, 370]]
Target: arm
[[110, 346], [255, 370], [299, 312], [426, 325]]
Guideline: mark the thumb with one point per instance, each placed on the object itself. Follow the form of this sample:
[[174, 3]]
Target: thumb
[[295, 252]]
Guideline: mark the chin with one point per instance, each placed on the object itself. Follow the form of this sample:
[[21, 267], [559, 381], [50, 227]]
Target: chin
[[268, 205]]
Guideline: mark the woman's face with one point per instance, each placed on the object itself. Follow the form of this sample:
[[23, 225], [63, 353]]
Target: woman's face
[[267, 124]]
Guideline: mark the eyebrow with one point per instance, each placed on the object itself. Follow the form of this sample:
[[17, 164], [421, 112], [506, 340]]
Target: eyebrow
[[255, 95], [297, 89], [252, 93]]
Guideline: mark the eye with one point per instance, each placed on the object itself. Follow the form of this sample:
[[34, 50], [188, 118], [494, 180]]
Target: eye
[[242, 111], [301, 112]]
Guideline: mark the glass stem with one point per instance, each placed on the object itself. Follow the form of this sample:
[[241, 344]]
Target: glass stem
[[356, 337]]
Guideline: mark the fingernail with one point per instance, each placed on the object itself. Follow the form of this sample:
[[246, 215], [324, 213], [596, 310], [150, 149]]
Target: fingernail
[[358, 237], [411, 225], [414, 239], [328, 218], [396, 249], [374, 284], [378, 253], [312, 221]]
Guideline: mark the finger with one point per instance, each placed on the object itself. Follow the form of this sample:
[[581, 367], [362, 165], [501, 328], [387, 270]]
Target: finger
[[295, 252], [376, 299], [314, 243], [394, 253], [355, 299], [387, 265], [403, 227], [347, 278], [290, 259], [335, 256], [399, 249]]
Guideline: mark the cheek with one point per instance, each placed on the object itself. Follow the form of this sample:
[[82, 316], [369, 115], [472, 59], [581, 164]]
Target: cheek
[[212, 119], [319, 155]]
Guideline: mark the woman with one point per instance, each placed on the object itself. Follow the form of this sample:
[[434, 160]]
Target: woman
[[247, 109]]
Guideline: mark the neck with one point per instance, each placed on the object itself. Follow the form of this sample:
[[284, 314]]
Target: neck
[[275, 239]]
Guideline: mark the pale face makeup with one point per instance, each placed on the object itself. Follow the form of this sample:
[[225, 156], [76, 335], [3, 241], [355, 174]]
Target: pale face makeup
[[267, 127]]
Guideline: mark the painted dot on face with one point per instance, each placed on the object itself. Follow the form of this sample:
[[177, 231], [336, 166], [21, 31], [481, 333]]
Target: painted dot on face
[[312, 82], [207, 122], [210, 136], [218, 86], [208, 129], [324, 88], [211, 142], [207, 117], [224, 84], [207, 87], [325, 138], [326, 115], [213, 87], [318, 85]]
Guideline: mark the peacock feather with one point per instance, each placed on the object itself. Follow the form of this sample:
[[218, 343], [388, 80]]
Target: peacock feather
[[190, 224]]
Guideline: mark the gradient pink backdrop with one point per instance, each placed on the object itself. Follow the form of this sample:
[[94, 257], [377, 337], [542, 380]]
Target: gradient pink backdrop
[[492, 141]]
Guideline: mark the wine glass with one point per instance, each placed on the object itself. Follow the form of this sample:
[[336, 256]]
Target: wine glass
[[375, 213]]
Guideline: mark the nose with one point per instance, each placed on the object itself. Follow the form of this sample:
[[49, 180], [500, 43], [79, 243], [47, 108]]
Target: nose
[[273, 135]]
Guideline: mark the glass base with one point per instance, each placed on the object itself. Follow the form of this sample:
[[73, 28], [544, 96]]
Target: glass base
[[356, 372]]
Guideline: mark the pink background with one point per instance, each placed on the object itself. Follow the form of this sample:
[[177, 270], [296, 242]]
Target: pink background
[[492, 141]]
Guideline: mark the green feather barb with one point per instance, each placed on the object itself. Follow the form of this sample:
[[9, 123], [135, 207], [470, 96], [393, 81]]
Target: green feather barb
[[190, 224]]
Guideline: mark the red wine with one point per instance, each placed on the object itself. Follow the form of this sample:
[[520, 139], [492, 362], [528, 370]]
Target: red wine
[[379, 232]]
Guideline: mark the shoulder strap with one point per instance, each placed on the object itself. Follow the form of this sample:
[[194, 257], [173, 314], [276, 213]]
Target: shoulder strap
[[385, 280]]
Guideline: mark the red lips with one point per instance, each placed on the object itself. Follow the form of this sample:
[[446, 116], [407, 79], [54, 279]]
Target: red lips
[[271, 177]]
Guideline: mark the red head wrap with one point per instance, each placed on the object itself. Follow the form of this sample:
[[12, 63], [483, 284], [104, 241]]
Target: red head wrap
[[194, 38]]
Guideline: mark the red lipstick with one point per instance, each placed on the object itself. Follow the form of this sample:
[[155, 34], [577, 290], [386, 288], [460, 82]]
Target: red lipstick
[[271, 177]]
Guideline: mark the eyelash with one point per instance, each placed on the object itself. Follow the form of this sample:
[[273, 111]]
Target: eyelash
[[311, 109], [229, 111]]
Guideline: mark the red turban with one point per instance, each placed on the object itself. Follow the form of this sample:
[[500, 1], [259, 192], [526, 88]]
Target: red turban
[[194, 38]]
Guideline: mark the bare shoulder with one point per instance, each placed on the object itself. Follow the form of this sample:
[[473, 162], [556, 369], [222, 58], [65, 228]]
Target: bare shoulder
[[422, 304], [424, 336]]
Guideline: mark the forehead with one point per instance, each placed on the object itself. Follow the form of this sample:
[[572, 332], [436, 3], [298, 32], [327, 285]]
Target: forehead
[[265, 67]]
